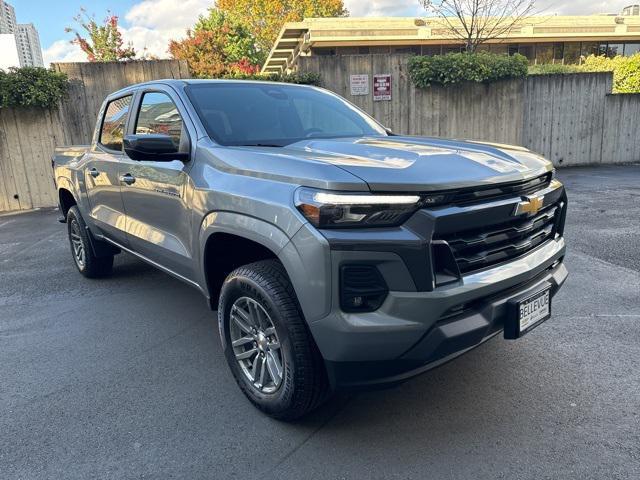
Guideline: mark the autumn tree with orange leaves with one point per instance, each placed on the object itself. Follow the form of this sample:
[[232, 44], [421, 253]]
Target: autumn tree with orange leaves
[[104, 42], [265, 18], [217, 46]]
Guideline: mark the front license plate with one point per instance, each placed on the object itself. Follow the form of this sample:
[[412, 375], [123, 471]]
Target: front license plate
[[528, 313]]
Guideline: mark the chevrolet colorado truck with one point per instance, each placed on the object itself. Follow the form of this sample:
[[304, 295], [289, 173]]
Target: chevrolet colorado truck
[[336, 253]]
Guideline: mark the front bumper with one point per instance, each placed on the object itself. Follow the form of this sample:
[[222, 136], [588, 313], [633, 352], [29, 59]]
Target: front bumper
[[414, 331]]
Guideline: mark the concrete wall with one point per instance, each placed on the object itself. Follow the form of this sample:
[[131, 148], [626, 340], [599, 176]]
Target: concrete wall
[[621, 136], [29, 136], [570, 119]]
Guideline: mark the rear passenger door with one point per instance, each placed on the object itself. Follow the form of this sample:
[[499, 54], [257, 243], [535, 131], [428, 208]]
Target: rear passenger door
[[102, 171], [158, 217]]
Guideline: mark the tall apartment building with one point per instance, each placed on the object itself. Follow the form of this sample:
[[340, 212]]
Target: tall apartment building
[[7, 18], [26, 41]]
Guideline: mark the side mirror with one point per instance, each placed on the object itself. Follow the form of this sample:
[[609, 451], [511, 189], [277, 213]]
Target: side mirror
[[153, 148]]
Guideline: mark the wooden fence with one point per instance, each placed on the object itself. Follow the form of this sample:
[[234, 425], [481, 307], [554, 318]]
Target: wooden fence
[[29, 136], [570, 119]]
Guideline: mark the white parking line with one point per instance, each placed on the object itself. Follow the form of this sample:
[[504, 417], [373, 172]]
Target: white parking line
[[5, 223]]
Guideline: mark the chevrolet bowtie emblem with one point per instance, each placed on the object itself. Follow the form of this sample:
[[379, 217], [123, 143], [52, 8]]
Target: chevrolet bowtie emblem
[[530, 205]]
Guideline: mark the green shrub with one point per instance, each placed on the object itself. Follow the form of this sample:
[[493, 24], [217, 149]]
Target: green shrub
[[601, 63], [626, 70], [454, 68], [626, 77], [552, 69], [31, 87], [295, 77]]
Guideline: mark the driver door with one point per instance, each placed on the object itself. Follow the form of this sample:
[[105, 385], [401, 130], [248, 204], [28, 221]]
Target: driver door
[[159, 220]]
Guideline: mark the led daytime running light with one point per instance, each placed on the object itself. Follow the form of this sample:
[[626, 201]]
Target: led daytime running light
[[341, 199]]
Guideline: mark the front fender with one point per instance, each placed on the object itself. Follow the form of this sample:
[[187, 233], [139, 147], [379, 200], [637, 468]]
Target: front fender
[[311, 300]]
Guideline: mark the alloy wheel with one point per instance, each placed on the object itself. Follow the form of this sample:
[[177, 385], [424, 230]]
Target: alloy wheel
[[77, 245], [256, 345]]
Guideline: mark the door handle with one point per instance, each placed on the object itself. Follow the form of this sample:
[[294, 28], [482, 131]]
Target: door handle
[[94, 172], [128, 179]]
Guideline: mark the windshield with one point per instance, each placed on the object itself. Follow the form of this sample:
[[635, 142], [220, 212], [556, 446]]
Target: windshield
[[272, 115]]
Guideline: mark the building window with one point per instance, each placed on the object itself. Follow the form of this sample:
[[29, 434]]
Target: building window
[[558, 52], [512, 49], [324, 51], [407, 49], [544, 53], [631, 48], [500, 49], [614, 49], [452, 49], [590, 48], [431, 49], [528, 51]]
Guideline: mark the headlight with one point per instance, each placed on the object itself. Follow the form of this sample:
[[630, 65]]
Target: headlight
[[332, 210]]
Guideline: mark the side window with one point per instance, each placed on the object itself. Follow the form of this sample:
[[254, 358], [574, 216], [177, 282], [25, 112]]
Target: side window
[[115, 118], [158, 114]]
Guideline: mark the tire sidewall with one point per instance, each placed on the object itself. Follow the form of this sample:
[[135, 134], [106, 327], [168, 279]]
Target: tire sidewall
[[73, 216], [242, 286]]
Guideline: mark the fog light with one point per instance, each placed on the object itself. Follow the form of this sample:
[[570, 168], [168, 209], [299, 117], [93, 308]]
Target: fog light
[[362, 288], [357, 302]]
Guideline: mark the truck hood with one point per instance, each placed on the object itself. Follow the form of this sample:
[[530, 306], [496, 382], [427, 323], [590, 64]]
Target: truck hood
[[404, 163]]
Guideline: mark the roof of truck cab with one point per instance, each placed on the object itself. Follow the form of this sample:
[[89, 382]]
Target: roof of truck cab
[[197, 81]]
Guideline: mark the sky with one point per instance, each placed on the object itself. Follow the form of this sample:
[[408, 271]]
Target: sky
[[150, 24]]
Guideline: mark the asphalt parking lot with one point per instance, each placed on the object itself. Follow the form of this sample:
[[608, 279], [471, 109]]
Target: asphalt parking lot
[[125, 378]]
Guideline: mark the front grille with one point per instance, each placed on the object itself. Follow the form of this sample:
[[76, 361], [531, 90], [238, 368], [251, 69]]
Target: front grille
[[480, 248], [497, 192]]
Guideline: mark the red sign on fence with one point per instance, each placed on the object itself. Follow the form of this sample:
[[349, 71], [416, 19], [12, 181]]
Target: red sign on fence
[[381, 87]]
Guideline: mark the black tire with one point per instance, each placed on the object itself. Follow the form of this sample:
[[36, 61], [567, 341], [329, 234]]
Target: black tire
[[304, 384], [87, 263]]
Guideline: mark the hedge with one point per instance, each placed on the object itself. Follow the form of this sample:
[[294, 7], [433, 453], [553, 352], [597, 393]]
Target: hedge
[[452, 68], [31, 87], [626, 70]]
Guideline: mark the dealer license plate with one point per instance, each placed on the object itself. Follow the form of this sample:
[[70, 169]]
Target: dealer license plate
[[528, 314]]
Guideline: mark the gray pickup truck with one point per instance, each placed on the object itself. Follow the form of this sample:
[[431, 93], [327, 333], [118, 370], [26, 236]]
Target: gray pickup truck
[[336, 253]]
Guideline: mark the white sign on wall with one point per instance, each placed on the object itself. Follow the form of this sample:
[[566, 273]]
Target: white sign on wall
[[359, 84]]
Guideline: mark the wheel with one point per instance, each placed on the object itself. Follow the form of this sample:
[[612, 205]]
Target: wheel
[[267, 344], [84, 257]]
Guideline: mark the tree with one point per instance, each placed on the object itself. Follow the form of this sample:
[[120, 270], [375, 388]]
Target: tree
[[105, 42], [476, 21], [217, 45], [265, 18]]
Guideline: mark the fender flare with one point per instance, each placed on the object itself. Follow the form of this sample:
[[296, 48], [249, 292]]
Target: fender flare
[[259, 231], [65, 183]]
